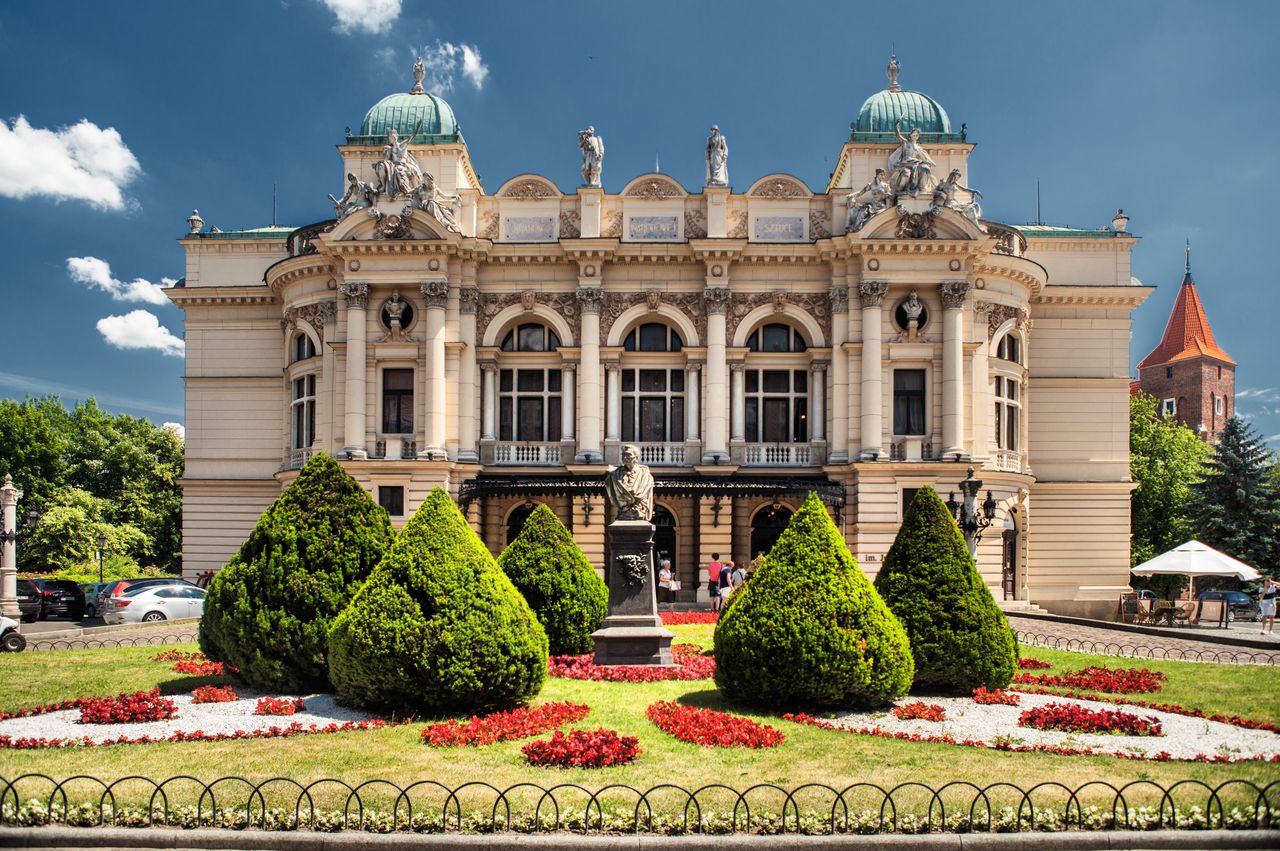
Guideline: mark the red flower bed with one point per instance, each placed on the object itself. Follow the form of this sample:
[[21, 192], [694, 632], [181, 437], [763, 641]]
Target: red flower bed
[[203, 668], [981, 695], [519, 723], [1114, 680], [1027, 663], [1236, 720], [1070, 718], [677, 618], [919, 709], [179, 656], [583, 668], [710, 728], [582, 749], [127, 708], [214, 694], [279, 706], [294, 729]]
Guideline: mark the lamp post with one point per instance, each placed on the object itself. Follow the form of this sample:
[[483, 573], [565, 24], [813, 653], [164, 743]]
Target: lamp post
[[967, 516], [9, 496], [102, 543]]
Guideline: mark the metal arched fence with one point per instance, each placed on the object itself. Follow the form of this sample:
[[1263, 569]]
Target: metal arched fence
[[1142, 651], [88, 642], [427, 806]]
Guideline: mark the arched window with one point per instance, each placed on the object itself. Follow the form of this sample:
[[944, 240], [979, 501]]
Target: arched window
[[776, 337], [530, 337], [303, 347], [303, 409], [516, 520], [1008, 412], [653, 337], [1009, 348]]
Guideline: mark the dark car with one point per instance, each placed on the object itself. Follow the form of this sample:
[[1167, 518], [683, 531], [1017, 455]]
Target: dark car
[[60, 597], [1241, 605], [119, 587], [29, 600]]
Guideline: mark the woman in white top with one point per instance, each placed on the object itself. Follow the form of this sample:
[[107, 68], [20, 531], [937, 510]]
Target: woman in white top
[[664, 581]]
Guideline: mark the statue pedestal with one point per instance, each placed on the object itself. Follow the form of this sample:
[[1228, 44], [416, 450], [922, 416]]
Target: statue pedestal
[[633, 633]]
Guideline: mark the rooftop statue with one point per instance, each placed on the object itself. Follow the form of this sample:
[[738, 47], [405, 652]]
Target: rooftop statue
[[359, 196], [592, 147], [419, 71], [398, 172], [872, 198], [630, 487], [949, 194], [440, 205], [911, 168], [717, 158]]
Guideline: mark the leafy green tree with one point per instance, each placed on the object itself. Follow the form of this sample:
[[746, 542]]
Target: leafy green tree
[[809, 630], [269, 610], [68, 534], [1236, 506], [437, 625], [564, 590], [33, 448], [1165, 459], [959, 637]]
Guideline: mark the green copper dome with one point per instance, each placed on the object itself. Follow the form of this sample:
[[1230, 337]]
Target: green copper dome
[[402, 112], [916, 110]]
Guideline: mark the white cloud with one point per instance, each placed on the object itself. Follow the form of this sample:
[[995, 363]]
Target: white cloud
[[177, 428], [473, 67], [95, 273], [372, 16], [140, 329], [81, 163], [446, 60]]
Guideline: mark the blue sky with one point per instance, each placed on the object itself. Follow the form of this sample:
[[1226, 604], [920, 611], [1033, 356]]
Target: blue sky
[[134, 113]]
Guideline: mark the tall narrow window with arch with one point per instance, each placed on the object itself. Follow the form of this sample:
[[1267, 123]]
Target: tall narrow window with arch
[[652, 391], [303, 409], [304, 347]]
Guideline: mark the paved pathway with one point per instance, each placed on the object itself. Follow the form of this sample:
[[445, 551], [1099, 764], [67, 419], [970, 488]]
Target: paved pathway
[[1070, 636]]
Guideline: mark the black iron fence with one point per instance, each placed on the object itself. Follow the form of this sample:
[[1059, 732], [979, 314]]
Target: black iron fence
[[90, 642], [1142, 651], [427, 806]]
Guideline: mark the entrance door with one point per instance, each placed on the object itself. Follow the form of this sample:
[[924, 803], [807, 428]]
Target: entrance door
[[766, 528], [1009, 564], [515, 521], [664, 539]]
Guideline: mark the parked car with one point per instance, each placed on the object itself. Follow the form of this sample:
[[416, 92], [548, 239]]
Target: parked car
[[11, 640], [155, 603], [91, 590], [119, 587], [29, 600], [60, 597], [1240, 605]]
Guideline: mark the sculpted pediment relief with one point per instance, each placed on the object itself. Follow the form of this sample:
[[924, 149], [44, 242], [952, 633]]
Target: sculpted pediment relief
[[927, 223], [389, 224], [529, 186], [654, 186]]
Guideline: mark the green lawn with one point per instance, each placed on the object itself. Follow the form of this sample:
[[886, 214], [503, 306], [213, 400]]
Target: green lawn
[[809, 755]]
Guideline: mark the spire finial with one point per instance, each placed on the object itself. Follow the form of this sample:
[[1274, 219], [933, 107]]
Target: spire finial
[[892, 72], [419, 71], [1188, 250]]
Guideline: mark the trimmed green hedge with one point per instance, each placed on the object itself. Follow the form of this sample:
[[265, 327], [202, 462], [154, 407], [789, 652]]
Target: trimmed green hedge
[[809, 630], [438, 625], [959, 637], [548, 568], [268, 611]]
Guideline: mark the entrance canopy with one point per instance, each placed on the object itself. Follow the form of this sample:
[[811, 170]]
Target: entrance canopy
[[1196, 559]]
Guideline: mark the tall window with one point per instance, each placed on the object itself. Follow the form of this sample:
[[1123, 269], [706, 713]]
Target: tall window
[[908, 401], [777, 405], [397, 401], [1008, 405], [653, 404], [391, 497], [776, 338], [530, 337], [653, 337], [303, 348], [529, 404], [1009, 349], [304, 412]]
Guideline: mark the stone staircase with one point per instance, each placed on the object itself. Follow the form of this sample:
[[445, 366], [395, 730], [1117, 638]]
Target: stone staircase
[[1020, 607]]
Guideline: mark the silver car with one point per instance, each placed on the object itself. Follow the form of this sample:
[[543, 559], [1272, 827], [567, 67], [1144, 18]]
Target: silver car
[[154, 604]]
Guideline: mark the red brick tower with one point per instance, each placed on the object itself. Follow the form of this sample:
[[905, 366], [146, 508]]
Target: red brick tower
[[1191, 377]]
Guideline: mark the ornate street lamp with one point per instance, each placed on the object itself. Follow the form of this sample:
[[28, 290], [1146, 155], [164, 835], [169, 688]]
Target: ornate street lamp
[[102, 543], [967, 516]]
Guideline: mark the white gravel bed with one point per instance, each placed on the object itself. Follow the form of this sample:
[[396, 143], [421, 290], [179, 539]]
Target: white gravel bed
[[212, 718], [1184, 737]]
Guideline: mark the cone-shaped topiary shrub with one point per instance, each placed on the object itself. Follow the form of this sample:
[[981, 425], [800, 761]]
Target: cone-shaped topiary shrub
[[809, 630], [437, 625], [959, 638], [268, 611], [557, 581]]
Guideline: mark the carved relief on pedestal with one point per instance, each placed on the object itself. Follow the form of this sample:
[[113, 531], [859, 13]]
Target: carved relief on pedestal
[[317, 315], [816, 305]]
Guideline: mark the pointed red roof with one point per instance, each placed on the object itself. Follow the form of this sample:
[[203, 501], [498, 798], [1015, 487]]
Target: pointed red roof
[[1188, 334]]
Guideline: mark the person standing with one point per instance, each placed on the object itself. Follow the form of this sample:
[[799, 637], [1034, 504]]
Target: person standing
[[1267, 602], [714, 569], [726, 585], [664, 581]]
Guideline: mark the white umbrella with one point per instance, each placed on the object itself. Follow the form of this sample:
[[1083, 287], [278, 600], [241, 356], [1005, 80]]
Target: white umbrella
[[1194, 559]]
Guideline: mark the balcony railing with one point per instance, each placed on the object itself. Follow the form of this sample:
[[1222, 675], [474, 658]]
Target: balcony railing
[[778, 455], [661, 454], [296, 459], [404, 448], [1007, 460], [543, 454]]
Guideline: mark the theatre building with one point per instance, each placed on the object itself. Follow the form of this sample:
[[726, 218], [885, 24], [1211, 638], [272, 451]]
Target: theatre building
[[757, 339]]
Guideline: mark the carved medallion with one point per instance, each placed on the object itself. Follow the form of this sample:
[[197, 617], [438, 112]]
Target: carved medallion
[[653, 298], [392, 225], [528, 299], [915, 225]]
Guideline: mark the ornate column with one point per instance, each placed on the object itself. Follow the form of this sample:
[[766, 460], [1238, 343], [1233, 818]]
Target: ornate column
[[469, 302], [568, 381], [436, 296], [9, 496], [953, 293], [839, 296], [489, 406], [693, 399], [715, 447], [817, 387], [738, 404], [357, 305], [613, 401], [590, 446], [871, 293]]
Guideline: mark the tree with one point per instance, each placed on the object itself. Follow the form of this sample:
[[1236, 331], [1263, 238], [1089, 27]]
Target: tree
[[809, 630], [438, 625], [269, 610], [1165, 459], [959, 637], [1236, 506], [68, 533], [548, 568]]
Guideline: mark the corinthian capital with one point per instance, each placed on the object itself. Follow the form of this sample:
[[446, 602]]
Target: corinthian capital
[[872, 292], [838, 294], [436, 293], [717, 299], [469, 299], [953, 293], [357, 293], [589, 298]]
